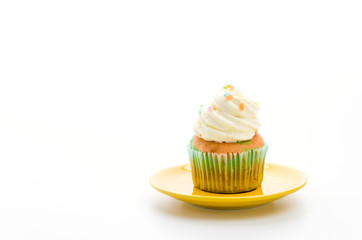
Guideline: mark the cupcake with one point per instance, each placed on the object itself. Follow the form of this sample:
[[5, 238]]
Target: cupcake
[[227, 153]]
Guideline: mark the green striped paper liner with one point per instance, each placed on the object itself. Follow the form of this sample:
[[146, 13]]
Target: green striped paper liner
[[227, 172]]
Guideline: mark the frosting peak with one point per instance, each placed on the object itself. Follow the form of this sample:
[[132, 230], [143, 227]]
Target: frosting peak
[[228, 118]]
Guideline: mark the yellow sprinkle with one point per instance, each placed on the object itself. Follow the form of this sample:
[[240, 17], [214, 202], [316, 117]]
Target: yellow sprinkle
[[242, 106]]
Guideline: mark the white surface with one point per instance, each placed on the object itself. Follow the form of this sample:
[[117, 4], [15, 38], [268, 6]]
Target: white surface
[[95, 96]]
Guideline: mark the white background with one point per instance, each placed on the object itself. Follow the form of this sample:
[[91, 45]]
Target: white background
[[96, 96]]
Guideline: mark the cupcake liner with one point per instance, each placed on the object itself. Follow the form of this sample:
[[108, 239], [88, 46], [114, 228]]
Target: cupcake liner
[[227, 172]]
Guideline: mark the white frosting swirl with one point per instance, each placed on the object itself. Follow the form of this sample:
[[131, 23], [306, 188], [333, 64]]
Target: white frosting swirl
[[228, 118]]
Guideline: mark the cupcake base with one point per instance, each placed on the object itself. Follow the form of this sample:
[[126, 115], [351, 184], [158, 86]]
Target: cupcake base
[[227, 172]]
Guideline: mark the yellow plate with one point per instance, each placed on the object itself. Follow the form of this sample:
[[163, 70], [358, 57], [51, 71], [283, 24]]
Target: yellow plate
[[279, 181]]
